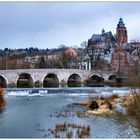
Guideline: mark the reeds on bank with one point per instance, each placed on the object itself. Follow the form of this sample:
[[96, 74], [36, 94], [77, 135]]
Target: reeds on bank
[[2, 101], [70, 130], [133, 109]]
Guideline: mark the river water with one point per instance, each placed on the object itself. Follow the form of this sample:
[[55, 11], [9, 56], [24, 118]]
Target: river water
[[29, 113]]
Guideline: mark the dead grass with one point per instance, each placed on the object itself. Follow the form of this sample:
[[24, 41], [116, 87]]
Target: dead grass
[[133, 109], [111, 97], [2, 100], [65, 130]]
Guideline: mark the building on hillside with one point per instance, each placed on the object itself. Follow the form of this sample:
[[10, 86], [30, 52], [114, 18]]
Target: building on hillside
[[127, 47], [135, 44], [70, 52], [101, 42], [16, 52], [82, 59], [55, 54], [107, 37], [136, 50], [64, 57], [101, 39], [115, 46], [33, 60]]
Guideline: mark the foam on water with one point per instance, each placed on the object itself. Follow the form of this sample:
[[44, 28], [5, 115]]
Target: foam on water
[[67, 91], [121, 91], [75, 94], [18, 93], [43, 91]]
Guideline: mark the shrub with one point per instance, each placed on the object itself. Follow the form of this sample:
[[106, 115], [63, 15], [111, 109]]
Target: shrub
[[133, 108], [111, 97], [2, 100]]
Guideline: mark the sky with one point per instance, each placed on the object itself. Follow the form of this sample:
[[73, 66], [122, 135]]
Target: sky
[[49, 24]]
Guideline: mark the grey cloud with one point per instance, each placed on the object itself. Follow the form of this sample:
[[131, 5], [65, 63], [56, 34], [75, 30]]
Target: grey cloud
[[46, 24]]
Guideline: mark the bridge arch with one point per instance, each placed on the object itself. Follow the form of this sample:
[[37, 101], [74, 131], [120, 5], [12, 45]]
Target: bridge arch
[[25, 80], [74, 80], [112, 77], [51, 80], [3, 82], [96, 78]]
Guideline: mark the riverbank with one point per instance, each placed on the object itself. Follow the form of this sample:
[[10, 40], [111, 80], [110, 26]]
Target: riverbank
[[2, 101], [108, 105], [125, 107]]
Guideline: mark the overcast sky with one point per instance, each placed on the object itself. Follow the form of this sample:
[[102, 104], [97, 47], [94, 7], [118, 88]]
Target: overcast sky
[[49, 24]]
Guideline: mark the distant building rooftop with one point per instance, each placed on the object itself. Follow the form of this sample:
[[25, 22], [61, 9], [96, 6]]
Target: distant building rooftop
[[105, 36]]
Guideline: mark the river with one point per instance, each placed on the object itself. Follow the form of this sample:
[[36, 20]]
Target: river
[[29, 113]]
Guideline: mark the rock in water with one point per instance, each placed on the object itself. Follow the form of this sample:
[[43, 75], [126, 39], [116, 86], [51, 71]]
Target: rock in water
[[93, 105]]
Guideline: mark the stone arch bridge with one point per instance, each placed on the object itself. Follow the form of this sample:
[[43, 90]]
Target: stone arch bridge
[[30, 76]]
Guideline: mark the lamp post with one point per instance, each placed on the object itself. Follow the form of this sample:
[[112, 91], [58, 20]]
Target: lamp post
[[94, 51]]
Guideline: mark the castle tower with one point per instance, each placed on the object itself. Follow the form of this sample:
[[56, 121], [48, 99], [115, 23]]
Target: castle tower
[[121, 33]]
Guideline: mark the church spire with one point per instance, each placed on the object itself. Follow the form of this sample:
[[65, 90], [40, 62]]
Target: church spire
[[120, 23]]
